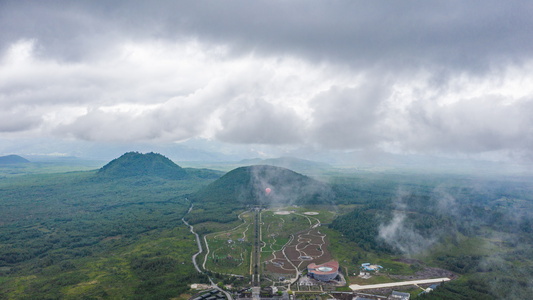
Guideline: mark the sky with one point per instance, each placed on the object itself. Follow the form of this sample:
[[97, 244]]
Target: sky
[[268, 78]]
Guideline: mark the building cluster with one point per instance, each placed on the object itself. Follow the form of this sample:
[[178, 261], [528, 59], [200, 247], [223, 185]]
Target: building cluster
[[399, 296], [213, 294], [394, 296], [429, 289], [369, 267]]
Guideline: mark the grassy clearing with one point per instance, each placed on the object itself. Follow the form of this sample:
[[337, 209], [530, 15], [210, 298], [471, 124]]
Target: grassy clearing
[[214, 227], [326, 213], [350, 257], [230, 249], [228, 258]]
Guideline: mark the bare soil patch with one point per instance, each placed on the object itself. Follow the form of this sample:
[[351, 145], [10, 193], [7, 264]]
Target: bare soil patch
[[312, 250], [279, 265], [316, 240], [292, 253], [116, 237], [427, 272]]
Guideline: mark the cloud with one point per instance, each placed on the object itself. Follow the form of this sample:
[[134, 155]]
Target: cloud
[[18, 120], [161, 90], [346, 117], [400, 234], [448, 78], [467, 36], [481, 124], [259, 122]]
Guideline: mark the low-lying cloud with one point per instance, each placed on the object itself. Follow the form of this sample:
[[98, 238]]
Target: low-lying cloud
[[400, 234]]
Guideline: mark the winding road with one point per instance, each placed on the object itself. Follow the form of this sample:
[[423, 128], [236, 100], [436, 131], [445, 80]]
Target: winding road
[[200, 250]]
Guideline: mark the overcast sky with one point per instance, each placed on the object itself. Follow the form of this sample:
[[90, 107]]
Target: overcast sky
[[431, 77]]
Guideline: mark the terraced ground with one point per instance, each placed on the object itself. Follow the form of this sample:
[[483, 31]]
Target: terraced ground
[[292, 240]]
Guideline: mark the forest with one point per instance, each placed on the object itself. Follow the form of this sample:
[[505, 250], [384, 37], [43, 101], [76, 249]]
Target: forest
[[117, 232], [98, 234], [479, 228]]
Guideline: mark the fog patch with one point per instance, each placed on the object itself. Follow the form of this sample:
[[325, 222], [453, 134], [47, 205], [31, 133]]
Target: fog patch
[[287, 187], [446, 203], [400, 234]]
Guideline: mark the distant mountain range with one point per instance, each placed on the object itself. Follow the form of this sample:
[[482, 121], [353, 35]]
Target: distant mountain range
[[12, 159]]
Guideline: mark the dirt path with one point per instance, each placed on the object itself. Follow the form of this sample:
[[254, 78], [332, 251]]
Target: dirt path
[[309, 219]]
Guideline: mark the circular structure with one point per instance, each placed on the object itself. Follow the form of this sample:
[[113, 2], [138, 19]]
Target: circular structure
[[282, 212], [311, 213], [323, 272]]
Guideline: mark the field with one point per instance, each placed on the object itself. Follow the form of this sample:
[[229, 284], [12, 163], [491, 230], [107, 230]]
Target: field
[[229, 250]]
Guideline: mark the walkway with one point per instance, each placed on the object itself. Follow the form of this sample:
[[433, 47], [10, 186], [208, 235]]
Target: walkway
[[356, 287]]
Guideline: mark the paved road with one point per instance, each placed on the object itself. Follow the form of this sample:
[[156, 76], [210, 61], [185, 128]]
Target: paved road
[[200, 250], [228, 295], [356, 287], [257, 251]]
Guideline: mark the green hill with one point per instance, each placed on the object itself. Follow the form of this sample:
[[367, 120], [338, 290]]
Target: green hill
[[12, 159], [135, 164], [246, 186], [292, 163]]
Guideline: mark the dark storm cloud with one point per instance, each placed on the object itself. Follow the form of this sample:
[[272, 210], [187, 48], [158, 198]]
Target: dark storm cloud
[[473, 35]]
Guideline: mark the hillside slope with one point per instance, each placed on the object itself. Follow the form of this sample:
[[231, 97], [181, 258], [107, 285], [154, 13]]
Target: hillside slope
[[247, 186], [292, 163], [134, 164], [12, 159]]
